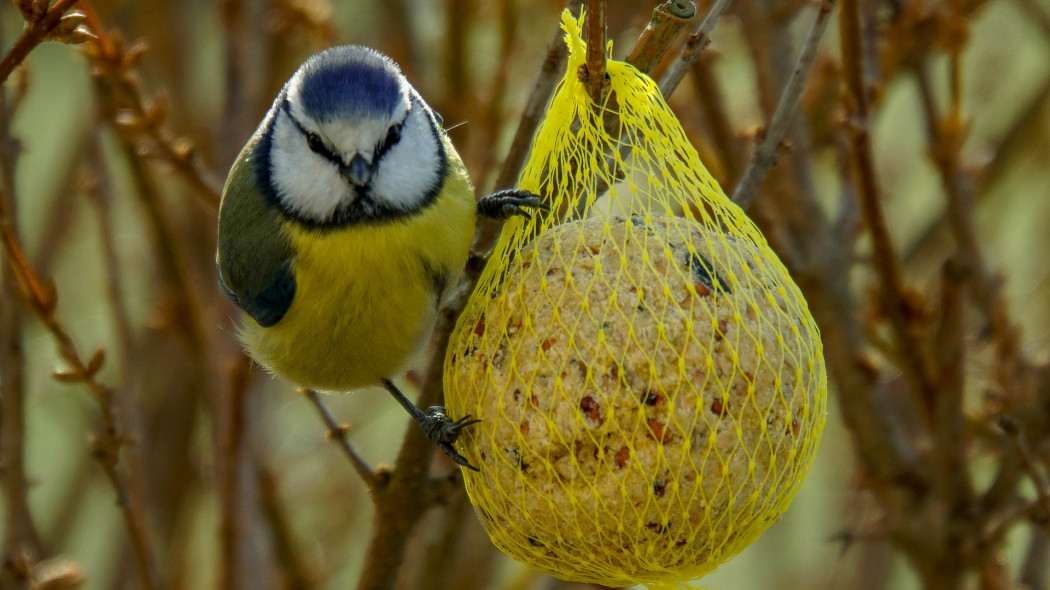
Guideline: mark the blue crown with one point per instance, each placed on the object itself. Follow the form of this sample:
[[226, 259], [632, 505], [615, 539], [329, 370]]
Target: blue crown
[[349, 80]]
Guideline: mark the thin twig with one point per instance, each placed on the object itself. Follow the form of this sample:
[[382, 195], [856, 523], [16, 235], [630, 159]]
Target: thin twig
[[667, 21], [233, 424], [337, 433], [36, 31], [766, 153], [595, 59], [694, 46], [1017, 437]]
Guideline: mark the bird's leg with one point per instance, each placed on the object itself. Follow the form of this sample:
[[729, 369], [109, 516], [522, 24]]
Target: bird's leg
[[436, 424], [500, 205]]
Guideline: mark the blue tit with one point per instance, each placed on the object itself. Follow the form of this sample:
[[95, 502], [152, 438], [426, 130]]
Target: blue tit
[[344, 221]]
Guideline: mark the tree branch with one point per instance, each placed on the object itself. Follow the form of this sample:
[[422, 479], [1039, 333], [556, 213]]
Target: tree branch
[[693, 47], [667, 21], [38, 27]]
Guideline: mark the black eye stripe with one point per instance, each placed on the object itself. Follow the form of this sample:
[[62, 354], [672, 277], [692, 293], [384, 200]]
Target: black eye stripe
[[313, 141], [393, 135]]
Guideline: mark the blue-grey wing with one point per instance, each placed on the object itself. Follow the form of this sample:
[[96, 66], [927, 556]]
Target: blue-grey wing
[[254, 258]]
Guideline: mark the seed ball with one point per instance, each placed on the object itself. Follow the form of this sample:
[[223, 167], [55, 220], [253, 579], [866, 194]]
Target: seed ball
[[651, 394]]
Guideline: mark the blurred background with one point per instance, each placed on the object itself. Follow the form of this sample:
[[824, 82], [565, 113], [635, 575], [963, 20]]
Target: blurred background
[[112, 153]]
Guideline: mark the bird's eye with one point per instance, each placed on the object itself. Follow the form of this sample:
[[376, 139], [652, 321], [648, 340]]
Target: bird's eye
[[393, 135], [315, 143]]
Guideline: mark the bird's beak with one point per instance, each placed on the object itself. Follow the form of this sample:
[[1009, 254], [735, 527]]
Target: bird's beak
[[358, 172]]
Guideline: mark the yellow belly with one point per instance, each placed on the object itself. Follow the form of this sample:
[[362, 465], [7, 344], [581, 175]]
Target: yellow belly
[[366, 295]]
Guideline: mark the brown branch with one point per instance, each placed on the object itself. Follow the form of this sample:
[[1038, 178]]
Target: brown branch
[[21, 543], [667, 21], [296, 572], [896, 302], [595, 58], [952, 481], [1035, 572], [232, 425], [38, 27], [405, 493], [766, 154], [693, 47], [40, 298], [337, 433]]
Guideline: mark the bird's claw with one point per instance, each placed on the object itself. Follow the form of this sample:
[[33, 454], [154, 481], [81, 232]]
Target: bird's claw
[[501, 205], [444, 431]]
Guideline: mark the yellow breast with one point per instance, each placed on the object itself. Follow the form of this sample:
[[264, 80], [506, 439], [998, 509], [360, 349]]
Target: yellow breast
[[366, 295]]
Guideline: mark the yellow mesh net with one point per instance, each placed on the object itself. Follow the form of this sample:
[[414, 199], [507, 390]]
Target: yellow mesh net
[[650, 380]]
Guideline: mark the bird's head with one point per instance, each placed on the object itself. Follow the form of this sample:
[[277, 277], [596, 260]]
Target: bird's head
[[350, 140]]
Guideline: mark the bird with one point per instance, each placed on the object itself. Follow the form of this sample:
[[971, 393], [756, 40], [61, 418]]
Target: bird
[[344, 222]]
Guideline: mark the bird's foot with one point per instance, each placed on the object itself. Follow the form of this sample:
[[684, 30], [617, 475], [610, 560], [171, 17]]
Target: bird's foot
[[444, 431], [501, 205]]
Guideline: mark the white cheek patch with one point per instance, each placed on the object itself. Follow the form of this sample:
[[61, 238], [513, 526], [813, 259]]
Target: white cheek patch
[[305, 182], [411, 169]]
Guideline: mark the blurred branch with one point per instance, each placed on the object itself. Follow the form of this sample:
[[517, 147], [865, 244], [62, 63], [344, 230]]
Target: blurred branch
[[897, 304], [1016, 435], [313, 16], [693, 47], [296, 573], [138, 117], [945, 137], [493, 121], [41, 298], [21, 542], [667, 21], [1038, 13], [42, 24], [1012, 144], [712, 104], [337, 433], [97, 185], [1035, 572], [766, 154], [61, 213], [232, 426], [952, 482]]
